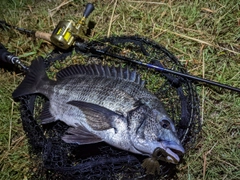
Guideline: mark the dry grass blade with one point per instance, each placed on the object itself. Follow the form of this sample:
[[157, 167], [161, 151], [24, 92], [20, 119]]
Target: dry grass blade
[[111, 20], [10, 128], [205, 160], [51, 12], [148, 2], [198, 40]]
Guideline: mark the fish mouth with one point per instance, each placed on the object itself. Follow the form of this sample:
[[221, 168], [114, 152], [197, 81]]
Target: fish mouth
[[170, 152]]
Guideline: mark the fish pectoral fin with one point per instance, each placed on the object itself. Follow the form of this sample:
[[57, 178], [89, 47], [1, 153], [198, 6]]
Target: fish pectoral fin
[[80, 135], [46, 116], [98, 118]]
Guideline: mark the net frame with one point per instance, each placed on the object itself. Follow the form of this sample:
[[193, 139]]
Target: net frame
[[101, 161]]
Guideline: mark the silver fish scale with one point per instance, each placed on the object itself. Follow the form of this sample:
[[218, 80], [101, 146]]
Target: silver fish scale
[[116, 94]]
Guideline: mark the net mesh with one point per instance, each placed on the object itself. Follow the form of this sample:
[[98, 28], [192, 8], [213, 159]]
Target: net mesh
[[59, 160]]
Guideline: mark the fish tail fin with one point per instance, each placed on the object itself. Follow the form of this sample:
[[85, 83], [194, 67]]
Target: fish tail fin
[[34, 79]]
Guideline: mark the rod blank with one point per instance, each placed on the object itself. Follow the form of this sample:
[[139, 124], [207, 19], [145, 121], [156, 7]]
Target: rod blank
[[195, 78]]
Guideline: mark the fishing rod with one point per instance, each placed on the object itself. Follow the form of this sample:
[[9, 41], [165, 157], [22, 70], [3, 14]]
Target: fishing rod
[[37, 34], [67, 33], [159, 67], [8, 57]]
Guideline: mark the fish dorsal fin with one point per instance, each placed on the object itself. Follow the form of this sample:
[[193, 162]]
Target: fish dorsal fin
[[102, 71]]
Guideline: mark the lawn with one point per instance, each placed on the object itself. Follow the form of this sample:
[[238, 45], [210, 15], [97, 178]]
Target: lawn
[[203, 35]]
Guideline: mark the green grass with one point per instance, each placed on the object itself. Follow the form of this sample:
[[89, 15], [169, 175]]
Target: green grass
[[204, 35]]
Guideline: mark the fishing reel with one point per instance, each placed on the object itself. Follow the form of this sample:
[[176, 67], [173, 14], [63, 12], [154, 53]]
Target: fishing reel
[[65, 34]]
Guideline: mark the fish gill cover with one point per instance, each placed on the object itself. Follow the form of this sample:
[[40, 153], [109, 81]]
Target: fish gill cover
[[60, 160]]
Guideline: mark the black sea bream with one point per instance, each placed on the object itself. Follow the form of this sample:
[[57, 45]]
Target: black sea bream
[[102, 103]]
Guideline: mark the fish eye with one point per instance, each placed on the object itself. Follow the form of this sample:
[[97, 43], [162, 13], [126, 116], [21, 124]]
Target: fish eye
[[165, 124]]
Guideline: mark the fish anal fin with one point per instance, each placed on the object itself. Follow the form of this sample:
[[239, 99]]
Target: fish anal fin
[[46, 115], [81, 136], [98, 117]]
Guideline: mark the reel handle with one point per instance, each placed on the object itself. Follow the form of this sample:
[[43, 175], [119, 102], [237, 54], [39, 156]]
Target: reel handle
[[65, 34], [88, 10]]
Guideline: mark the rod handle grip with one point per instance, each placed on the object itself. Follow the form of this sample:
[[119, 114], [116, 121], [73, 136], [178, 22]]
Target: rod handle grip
[[43, 35], [4, 54]]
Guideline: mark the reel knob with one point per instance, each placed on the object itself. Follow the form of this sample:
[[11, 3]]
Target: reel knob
[[88, 10]]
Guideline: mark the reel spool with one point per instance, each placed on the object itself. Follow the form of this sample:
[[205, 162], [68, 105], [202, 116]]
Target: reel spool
[[102, 161]]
